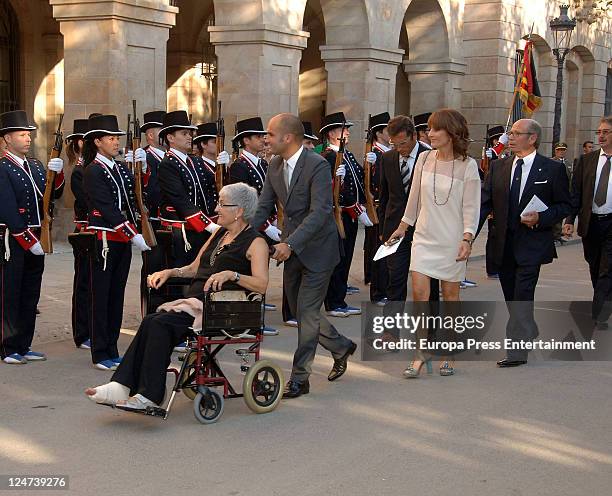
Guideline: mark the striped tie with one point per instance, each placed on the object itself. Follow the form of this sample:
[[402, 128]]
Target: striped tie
[[405, 173]]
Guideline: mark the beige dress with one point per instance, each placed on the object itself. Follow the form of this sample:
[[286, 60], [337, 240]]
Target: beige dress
[[440, 224]]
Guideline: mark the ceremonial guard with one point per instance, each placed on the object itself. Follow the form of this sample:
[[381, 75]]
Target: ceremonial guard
[[249, 168], [80, 285], [352, 200], [22, 261], [375, 273], [205, 142], [310, 138], [497, 140], [422, 128], [112, 216], [184, 204]]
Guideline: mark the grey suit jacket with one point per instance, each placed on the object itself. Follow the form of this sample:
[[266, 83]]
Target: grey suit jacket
[[309, 225]]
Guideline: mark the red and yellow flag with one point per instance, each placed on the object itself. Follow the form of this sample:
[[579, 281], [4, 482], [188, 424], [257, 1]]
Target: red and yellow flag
[[529, 91]]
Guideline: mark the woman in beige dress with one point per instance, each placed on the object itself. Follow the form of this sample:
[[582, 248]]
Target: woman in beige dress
[[444, 207]]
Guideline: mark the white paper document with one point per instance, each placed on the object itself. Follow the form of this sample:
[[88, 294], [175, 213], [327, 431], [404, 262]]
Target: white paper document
[[535, 205], [385, 251]]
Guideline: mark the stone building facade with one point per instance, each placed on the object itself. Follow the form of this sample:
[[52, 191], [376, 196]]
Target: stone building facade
[[304, 56]]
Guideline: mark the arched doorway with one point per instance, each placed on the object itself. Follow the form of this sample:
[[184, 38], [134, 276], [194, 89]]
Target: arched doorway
[[188, 73], [313, 76], [9, 57]]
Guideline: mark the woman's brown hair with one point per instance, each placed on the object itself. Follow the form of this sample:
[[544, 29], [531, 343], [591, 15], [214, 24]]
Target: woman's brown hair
[[455, 125]]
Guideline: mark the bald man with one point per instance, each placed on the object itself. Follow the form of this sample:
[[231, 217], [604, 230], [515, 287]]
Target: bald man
[[301, 180]]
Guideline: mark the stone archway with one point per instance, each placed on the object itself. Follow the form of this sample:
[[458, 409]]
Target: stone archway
[[313, 76], [9, 57], [188, 46], [433, 76]]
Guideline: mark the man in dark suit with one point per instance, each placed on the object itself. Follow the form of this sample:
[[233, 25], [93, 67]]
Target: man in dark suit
[[396, 173], [522, 243], [592, 203], [301, 181]]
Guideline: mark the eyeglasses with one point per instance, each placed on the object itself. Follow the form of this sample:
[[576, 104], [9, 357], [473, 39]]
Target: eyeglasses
[[511, 134], [603, 132], [221, 204]]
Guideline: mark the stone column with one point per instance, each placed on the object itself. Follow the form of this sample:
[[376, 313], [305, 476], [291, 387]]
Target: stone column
[[114, 52], [360, 81], [258, 67]]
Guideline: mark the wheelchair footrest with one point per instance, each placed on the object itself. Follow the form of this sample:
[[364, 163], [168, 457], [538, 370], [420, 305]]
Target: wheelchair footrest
[[152, 411]]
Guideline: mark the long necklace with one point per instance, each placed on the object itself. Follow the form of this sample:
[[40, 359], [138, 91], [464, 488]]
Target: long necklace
[[218, 248], [434, 182]]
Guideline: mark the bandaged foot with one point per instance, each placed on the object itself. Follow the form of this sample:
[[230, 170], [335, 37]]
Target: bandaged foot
[[108, 394]]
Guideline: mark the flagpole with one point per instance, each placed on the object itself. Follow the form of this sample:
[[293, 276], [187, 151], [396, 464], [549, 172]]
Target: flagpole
[[518, 81]]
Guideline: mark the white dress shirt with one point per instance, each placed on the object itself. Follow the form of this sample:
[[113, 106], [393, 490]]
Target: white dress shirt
[[157, 152], [251, 157], [606, 208], [527, 163], [410, 160], [109, 162], [289, 166], [180, 155]]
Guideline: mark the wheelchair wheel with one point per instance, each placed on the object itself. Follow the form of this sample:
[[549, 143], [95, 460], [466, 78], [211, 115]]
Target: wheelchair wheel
[[189, 376], [208, 407], [263, 386]]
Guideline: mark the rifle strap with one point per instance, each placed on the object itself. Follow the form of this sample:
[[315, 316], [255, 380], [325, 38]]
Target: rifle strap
[[7, 245], [104, 249], [185, 240]]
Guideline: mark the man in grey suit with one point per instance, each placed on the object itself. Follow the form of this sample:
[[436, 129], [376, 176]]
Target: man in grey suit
[[301, 181]]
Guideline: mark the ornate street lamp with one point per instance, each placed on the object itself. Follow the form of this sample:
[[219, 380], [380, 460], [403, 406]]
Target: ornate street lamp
[[209, 59], [562, 28]]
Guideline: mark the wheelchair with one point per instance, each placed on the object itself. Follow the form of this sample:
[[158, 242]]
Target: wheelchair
[[229, 318]]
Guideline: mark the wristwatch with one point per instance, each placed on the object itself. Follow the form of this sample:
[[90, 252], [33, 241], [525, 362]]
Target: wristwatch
[[236, 277]]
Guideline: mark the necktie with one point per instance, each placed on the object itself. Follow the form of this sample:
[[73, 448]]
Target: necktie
[[515, 191], [26, 166], [405, 173], [286, 174], [601, 194]]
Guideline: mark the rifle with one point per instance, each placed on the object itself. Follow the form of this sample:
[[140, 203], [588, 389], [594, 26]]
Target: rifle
[[370, 209], [484, 162], [128, 142], [48, 197], [219, 169], [147, 229], [337, 209], [235, 146]]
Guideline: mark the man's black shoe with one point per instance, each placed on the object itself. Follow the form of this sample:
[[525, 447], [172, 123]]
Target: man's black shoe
[[293, 389], [510, 363], [339, 367]]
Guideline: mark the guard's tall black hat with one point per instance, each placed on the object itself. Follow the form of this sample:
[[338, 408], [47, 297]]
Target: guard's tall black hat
[[334, 120], [103, 125], [16, 120], [248, 127], [152, 119], [379, 120], [205, 131], [308, 132], [420, 121], [79, 128], [174, 121], [495, 132]]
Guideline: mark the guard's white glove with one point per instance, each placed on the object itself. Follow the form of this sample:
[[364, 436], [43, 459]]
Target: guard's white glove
[[489, 153], [37, 249], [212, 227], [55, 165], [364, 219], [129, 156], [273, 232], [371, 157], [341, 171], [503, 139], [139, 242], [223, 158]]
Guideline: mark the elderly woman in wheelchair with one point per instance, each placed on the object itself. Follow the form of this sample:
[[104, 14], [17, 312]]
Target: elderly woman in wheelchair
[[234, 258]]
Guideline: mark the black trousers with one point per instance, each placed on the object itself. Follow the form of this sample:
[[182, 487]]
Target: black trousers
[[336, 292], [154, 260], [287, 315], [518, 283], [492, 268], [81, 299], [182, 257], [144, 364], [21, 280], [107, 295], [305, 291], [375, 272], [398, 267], [597, 247]]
